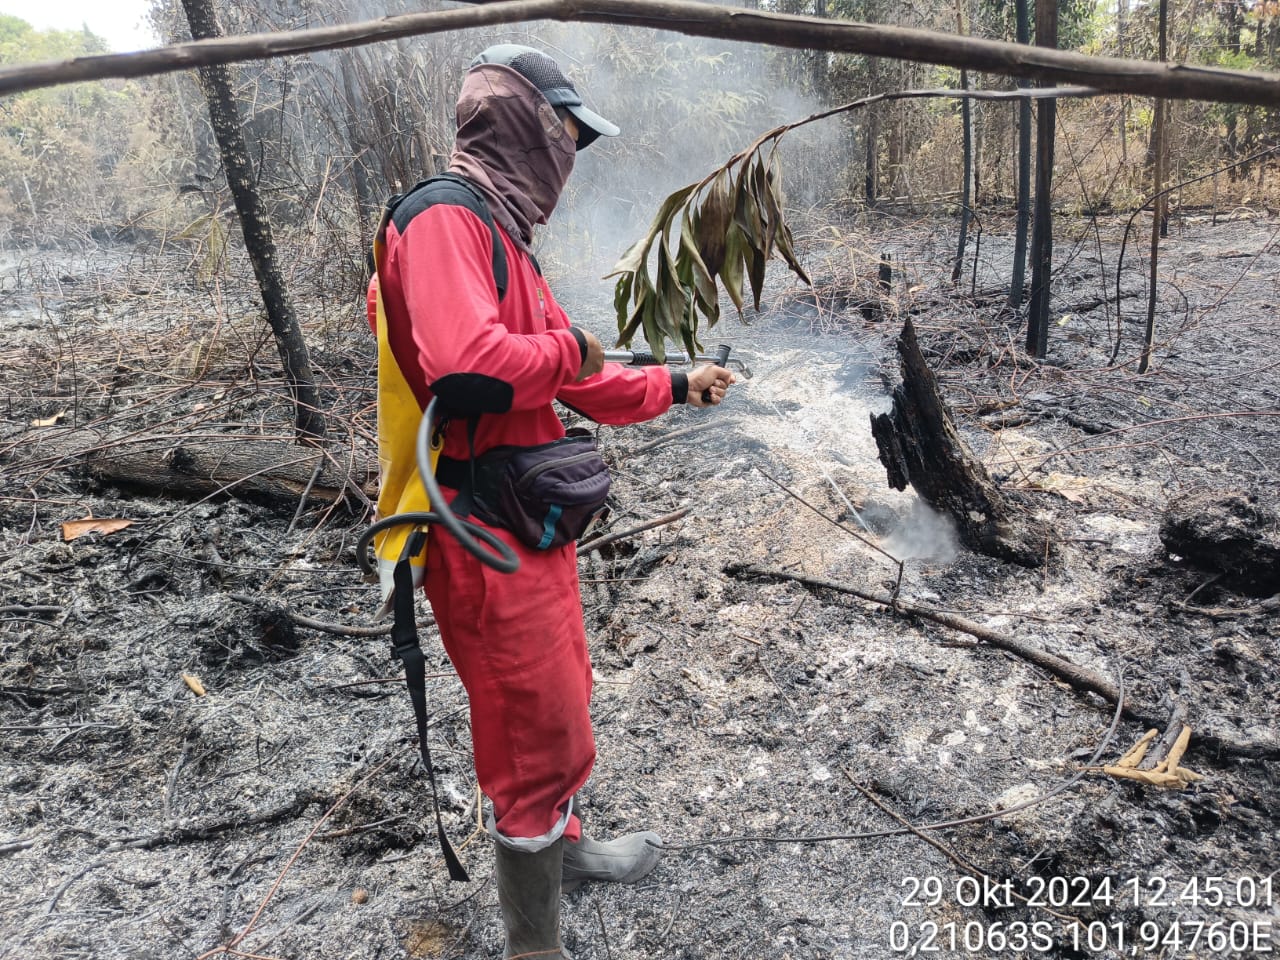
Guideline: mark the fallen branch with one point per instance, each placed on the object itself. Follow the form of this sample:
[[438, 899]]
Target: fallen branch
[[1228, 613], [1078, 677], [246, 467], [1136, 77], [609, 538], [13, 846], [210, 830], [341, 629], [675, 435]]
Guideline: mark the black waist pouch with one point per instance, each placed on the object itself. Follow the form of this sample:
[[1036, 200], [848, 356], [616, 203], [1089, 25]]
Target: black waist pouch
[[546, 495]]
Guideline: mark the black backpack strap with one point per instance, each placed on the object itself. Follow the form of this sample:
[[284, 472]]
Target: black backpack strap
[[405, 648], [457, 191]]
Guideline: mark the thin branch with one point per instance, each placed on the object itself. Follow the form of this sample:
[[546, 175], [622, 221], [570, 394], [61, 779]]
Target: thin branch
[[341, 629], [210, 830], [599, 542], [13, 846], [832, 520], [1140, 78], [675, 435]]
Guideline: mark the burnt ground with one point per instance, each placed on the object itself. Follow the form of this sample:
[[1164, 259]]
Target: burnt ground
[[139, 820]]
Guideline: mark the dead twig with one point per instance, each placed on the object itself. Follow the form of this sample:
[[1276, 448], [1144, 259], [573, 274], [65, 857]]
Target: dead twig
[[1228, 613], [15, 846], [676, 435], [311, 623], [209, 830], [172, 784], [832, 520], [63, 887], [609, 538], [362, 828], [1172, 730], [306, 492], [604, 933], [19, 608]]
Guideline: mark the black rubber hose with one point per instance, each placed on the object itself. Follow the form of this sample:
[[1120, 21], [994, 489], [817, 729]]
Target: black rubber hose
[[419, 518], [501, 558]]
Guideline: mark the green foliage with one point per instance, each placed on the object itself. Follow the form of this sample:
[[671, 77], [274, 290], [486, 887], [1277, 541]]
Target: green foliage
[[1080, 22], [72, 153], [1232, 60], [22, 43], [726, 227]]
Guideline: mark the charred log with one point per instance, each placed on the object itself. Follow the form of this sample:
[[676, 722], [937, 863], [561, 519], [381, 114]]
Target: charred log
[[1230, 533], [264, 471], [919, 445]]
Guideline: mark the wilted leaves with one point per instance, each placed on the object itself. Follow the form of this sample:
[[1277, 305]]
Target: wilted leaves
[[724, 229]]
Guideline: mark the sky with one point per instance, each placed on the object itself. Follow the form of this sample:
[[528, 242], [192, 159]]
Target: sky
[[120, 22]]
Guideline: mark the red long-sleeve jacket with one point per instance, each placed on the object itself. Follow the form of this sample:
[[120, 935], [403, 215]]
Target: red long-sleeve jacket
[[452, 336]]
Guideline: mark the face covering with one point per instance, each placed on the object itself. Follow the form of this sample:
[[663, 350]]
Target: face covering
[[512, 145]]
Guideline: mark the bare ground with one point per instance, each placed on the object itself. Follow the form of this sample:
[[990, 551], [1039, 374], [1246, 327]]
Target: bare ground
[[733, 715]]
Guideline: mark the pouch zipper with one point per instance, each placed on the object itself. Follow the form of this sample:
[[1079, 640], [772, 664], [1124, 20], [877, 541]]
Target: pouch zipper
[[541, 468]]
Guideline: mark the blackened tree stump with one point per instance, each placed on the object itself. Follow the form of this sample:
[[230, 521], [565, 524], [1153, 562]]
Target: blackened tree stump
[[919, 445]]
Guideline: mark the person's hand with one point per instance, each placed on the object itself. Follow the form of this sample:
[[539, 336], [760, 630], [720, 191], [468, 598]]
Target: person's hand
[[595, 357], [713, 380]]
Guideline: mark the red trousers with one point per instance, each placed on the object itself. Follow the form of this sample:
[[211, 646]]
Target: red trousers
[[518, 643]]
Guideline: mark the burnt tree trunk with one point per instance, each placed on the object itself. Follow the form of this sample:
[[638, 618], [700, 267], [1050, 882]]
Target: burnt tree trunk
[[224, 115], [966, 186], [871, 145], [1042, 225], [966, 161], [919, 445], [247, 468], [1159, 148], [1017, 282]]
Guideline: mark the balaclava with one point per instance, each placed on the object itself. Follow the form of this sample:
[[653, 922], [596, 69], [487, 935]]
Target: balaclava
[[513, 146]]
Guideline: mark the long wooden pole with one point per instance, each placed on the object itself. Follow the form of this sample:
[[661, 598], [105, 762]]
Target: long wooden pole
[[1171, 81]]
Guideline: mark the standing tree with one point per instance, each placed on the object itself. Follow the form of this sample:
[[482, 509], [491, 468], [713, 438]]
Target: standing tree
[[966, 160], [1158, 150], [1018, 281], [224, 116], [1042, 233]]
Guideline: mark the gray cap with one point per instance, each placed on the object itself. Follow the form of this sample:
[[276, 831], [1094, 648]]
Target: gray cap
[[545, 74]]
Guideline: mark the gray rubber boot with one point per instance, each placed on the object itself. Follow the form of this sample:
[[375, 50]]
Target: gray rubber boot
[[624, 860], [529, 896]]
